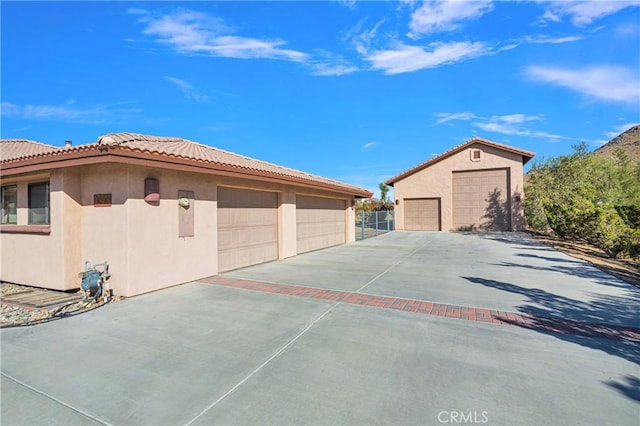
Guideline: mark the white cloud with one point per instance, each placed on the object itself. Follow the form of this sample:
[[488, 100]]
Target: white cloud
[[404, 58], [329, 69], [362, 39], [516, 118], [546, 39], [368, 146], [191, 32], [8, 109], [194, 33], [328, 64], [628, 29], [605, 83], [443, 117], [98, 114], [441, 15], [509, 124], [616, 130], [510, 129], [513, 124], [349, 4], [188, 91], [582, 13]]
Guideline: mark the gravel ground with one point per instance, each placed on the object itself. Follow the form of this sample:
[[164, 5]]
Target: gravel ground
[[13, 315]]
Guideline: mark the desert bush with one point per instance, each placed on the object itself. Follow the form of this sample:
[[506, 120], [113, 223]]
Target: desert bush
[[586, 197]]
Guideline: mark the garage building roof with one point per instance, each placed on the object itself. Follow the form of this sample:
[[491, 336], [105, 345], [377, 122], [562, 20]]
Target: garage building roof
[[526, 156]]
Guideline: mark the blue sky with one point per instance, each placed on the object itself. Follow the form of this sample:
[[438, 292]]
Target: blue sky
[[355, 91]]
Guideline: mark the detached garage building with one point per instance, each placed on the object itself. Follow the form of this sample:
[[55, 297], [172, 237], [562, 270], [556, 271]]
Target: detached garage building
[[477, 185], [161, 211]]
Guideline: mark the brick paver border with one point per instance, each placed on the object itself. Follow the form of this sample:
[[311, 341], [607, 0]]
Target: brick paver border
[[562, 326]]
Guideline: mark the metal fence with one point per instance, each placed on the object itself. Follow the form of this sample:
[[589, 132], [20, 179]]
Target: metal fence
[[370, 224]]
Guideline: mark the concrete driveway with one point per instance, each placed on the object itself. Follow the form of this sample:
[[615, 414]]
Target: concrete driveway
[[344, 336]]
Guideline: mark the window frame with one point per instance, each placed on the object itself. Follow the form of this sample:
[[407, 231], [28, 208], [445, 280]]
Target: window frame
[[31, 201], [3, 208]]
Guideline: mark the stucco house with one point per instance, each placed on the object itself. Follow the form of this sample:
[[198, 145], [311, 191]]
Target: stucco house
[[161, 211], [477, 185]]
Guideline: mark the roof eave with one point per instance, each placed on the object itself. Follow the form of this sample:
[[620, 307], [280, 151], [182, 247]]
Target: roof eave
[[526, 156], [118, 154]]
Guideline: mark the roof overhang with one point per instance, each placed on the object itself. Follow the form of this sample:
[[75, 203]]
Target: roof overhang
[[526, 156], [96, 154]]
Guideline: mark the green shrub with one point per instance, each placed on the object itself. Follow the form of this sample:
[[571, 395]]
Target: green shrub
[[587, 197], [630, 215]]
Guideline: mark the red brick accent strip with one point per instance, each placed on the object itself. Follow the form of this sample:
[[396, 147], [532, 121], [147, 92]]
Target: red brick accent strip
[[562, 326]]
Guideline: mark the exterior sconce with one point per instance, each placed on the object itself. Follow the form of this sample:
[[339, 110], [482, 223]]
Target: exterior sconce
[[152, 190], [183, 202], [397, 202]]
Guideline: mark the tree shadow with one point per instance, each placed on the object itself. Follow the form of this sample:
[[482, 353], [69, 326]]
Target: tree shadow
[[497, 216], [578, 269], [516, 239], [550, 259], [610, 324], [629, 387]]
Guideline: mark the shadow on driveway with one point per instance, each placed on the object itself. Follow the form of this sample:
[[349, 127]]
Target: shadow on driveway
[[629, 387], [604, 310]]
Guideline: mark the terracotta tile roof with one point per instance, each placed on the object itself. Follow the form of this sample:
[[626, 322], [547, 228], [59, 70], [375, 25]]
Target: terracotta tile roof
[[15, 149], [185, 149], [526, 156]]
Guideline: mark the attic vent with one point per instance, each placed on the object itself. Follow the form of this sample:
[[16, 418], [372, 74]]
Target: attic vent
[[476, 154]]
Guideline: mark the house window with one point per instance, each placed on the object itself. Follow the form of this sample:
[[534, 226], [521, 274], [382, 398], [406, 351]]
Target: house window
[[9, 195], [39, 203]]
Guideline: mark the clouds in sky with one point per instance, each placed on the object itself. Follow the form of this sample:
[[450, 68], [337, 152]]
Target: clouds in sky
[[193, 33], [69, 112], [440, 15], [188, 91], [582, 13], [190, 32], [602, 82], [404, 58], [443, 117], [369, 145], [620, 128], [509, 124]]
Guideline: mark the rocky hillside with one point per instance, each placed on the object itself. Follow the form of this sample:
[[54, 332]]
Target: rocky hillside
[[629, 142]]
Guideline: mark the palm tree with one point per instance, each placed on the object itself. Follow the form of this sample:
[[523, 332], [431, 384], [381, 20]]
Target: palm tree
[[384, 189]]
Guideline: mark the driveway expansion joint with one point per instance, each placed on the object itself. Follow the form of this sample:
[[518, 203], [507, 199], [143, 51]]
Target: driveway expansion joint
[[421, 307]]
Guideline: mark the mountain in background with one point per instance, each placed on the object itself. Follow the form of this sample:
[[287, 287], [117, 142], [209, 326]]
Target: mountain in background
[[628, 142]]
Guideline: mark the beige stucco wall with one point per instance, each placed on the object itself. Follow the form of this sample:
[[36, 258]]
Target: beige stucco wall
[[45, 260], [286, 217], [139, 240], [436, 182]]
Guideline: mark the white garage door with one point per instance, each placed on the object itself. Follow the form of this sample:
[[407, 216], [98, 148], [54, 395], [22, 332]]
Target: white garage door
[[320, 222], [481, 200], [422, 214], [247, 227]]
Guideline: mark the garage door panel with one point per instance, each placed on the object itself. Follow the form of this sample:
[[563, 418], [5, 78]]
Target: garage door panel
[[320, 223], [247, 227], [422, 214], [481, 200]]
